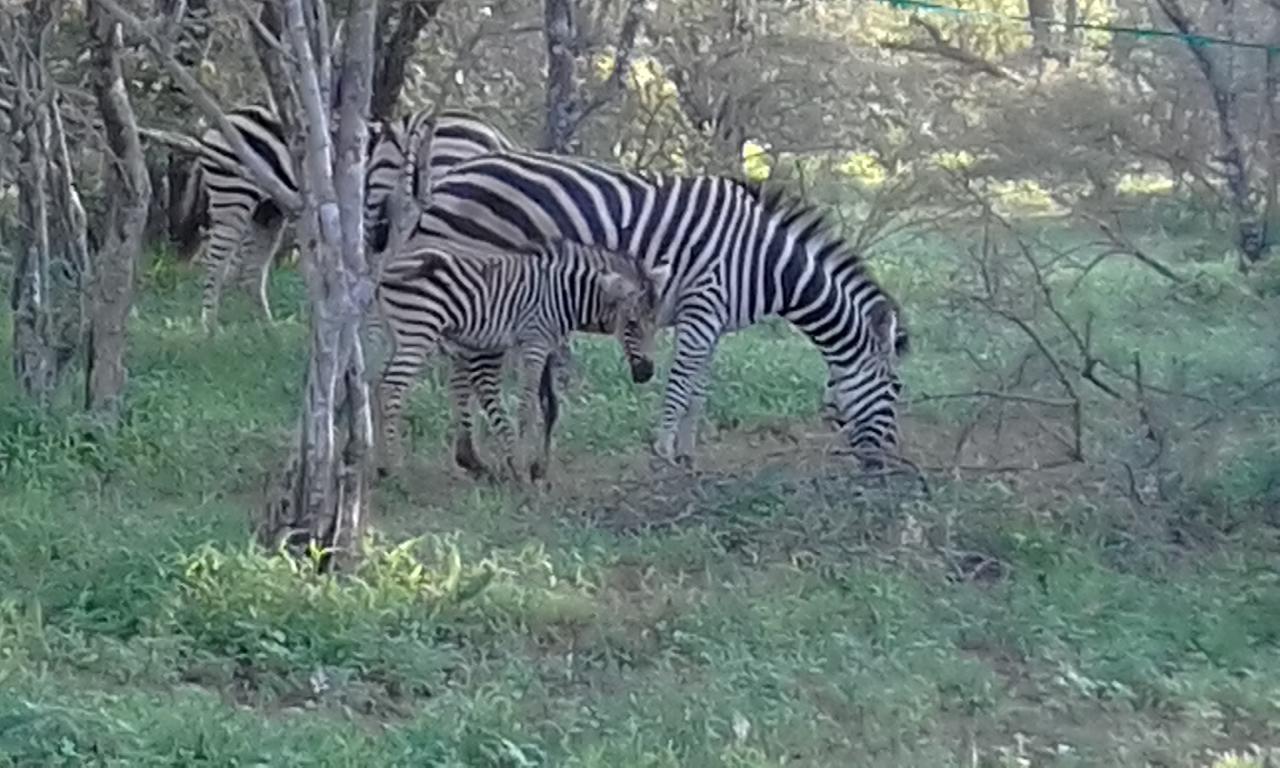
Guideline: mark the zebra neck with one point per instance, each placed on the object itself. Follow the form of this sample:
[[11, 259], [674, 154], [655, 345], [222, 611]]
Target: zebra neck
[[579, 294]]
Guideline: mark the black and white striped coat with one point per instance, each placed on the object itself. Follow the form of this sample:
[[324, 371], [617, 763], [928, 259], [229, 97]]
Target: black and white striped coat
[[490, 302], [736, 255], [241, 217]]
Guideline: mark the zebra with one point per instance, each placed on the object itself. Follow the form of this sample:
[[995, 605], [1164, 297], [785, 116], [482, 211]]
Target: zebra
[[737, 253], [222, 193], [491, 302]]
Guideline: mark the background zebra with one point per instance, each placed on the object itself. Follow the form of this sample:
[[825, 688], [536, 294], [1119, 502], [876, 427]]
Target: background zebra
[[222, 197], [736, 255], [490, 302]]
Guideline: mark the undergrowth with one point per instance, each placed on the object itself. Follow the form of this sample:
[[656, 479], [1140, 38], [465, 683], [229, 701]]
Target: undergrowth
[[1120, 612]]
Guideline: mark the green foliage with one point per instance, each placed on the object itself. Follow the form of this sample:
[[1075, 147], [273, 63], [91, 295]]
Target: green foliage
[[634, 618], [864, 168], [1023, 198], [1266, 278], [1144, 184], [273, 614]]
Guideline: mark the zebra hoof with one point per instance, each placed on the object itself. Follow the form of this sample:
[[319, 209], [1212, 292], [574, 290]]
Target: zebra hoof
[[465, 457], [537, 471], [515, 477], [659, 462]]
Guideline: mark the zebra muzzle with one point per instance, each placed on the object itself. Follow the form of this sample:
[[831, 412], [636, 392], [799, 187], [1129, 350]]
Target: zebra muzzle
[[641, 370]]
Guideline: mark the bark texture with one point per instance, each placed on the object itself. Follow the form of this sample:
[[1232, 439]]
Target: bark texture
[[129, 194]]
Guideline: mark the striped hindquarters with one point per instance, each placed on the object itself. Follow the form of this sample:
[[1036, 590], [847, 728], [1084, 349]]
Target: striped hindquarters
[[228, 180], [398, 157]]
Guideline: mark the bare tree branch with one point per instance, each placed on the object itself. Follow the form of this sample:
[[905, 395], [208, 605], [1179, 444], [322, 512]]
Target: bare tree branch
[[617, 79], [390, 71], [941, 48]]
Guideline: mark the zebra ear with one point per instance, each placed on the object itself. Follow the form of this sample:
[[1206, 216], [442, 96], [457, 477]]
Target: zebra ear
[[658, 276], [613, 285], [883, 320]]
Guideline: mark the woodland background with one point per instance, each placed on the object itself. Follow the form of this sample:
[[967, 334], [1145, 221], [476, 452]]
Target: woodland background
[[1076, 204]]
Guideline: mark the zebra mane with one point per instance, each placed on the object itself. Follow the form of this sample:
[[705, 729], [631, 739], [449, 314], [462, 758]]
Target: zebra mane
[[818, 228], [815, 223]]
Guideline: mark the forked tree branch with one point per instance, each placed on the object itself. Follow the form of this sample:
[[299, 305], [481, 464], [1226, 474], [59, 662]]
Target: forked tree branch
[[389, 72], [617, 79]]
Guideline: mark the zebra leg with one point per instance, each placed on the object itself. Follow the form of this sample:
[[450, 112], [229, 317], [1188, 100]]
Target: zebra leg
[[466, 368], [533, 371], [487, 382], [687, 427], [227, 232], [402, 368], [563, 366], [550, 405], [686, 388], [264, 242]]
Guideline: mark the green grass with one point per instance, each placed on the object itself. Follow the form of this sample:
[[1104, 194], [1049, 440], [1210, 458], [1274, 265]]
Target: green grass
[[770, 614]]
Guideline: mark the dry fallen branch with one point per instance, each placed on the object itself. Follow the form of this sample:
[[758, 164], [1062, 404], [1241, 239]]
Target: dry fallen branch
[[999, 469], [1077, 408], [1224, 409], [938, 46], [1016, 397]]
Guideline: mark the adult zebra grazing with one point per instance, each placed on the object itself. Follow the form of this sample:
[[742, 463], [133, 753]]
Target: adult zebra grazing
[[221, 192], [736, 255], [491, 302]]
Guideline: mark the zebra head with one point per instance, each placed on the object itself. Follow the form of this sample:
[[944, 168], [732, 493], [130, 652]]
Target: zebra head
[[860, 401], [630, 303]]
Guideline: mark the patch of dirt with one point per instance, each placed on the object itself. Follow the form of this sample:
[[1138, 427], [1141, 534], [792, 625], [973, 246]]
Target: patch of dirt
[[781, 487], [742, 480]]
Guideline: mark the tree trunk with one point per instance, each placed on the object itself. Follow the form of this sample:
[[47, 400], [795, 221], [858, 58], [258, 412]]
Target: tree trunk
[[51, 253], [1271, 115], [321, 499], [128, 186], [1040, 13], [1070, 35], [33, 356], [1221, 80], [396, 48], [560, 33]]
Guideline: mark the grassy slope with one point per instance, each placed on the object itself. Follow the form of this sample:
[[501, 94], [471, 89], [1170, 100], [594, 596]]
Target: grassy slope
[[777, 616]]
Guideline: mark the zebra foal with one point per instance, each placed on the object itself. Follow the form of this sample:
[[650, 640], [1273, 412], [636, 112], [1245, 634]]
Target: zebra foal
[[491, 302]]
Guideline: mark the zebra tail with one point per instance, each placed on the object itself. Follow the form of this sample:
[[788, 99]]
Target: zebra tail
[[191, 211]]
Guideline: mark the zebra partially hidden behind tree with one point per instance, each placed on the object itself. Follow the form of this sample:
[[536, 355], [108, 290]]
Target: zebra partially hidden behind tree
[[735, 253], [491, 302], [227, 209]]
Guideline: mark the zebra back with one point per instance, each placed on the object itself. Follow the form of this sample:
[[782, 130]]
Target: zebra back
[[737, 254], [411, 154], [555, 286]]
